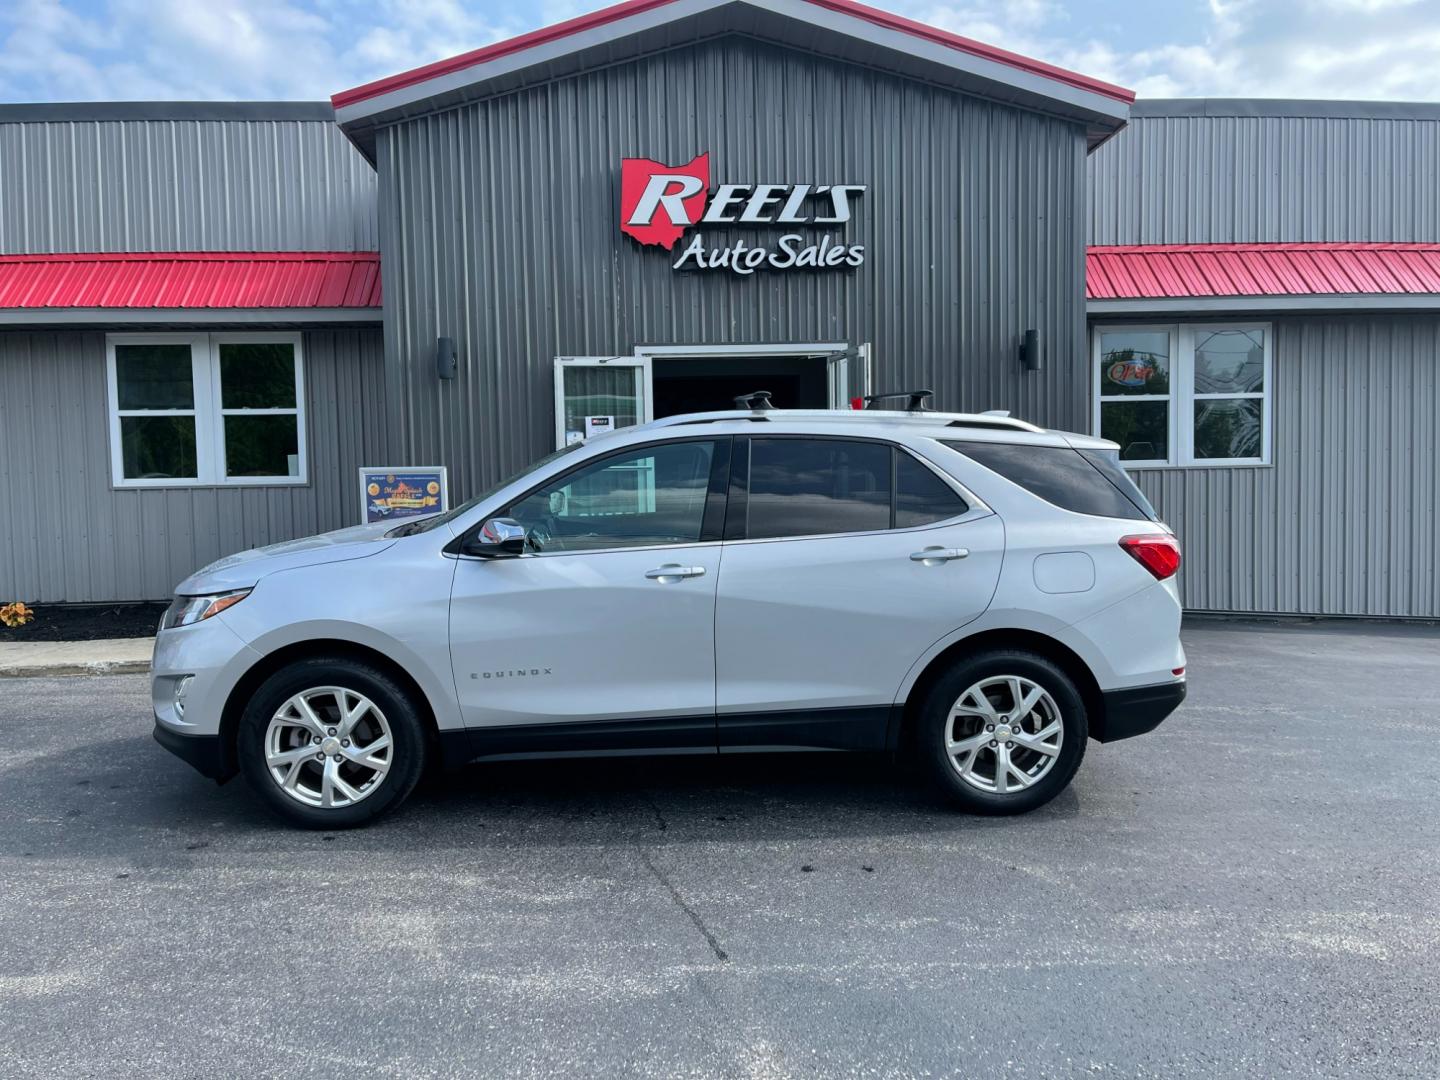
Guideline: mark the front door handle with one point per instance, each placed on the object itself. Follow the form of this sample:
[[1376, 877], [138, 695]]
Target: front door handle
[[934, 556], [673, 572]]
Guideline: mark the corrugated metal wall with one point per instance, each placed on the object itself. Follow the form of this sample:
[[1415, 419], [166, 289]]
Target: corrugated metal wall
[[66, 535], [183, 185], [499, 228], [1206, 178], [1345, 522]]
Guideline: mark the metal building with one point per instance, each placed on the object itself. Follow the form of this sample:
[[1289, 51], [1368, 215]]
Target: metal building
[[655, 207], [1274, 266]]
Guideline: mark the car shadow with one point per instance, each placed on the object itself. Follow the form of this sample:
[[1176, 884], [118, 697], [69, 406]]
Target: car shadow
[[128, 797]]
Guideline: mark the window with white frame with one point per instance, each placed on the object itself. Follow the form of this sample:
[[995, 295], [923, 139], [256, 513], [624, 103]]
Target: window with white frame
[[206, 409], [1184, 394]]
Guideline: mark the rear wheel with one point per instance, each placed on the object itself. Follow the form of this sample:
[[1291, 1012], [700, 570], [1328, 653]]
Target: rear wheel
[[1003, 732], [331, 743]]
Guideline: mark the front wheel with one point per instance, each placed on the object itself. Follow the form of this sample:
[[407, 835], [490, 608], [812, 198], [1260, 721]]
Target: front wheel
[[331, 743], [1003, 732]]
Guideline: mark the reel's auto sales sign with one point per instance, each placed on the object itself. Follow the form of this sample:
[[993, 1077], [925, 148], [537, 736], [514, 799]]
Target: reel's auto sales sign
[[660, 203]]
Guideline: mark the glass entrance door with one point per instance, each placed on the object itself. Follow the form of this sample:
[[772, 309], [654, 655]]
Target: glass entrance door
[[595, 394]]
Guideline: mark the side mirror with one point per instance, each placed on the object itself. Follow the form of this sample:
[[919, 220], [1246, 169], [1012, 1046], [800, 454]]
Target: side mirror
[[498, 538]]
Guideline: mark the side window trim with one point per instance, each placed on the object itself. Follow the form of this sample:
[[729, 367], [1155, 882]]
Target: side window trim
[[737, 512]]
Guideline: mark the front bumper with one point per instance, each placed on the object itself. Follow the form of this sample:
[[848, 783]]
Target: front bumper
[[204, 753], [1131, 712]]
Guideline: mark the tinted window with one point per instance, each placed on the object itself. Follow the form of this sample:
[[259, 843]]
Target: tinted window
[[1108, 462], [1061, 476], [920, 496], [810, 487], [654, 495]]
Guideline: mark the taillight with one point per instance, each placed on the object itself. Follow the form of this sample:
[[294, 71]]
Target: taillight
[[1158, 552]]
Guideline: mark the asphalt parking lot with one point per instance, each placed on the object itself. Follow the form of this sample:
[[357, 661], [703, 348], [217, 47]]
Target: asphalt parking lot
[[1252, 890]]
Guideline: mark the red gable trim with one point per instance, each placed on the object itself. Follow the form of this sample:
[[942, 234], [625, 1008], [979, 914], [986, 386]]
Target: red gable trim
[[628, 8], [1181, 271], [179, 280]]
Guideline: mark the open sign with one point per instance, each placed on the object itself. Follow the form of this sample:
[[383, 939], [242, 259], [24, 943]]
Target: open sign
[[1130, 372]]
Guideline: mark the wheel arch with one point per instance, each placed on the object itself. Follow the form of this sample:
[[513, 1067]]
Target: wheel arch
[[318, 648], [994, 640]]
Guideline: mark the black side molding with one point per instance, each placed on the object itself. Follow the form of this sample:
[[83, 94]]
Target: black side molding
[[203, 753], [659, 735], [1135, 711]]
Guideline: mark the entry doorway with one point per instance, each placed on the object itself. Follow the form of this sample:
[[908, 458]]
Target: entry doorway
[[594, 394], [705, 384]]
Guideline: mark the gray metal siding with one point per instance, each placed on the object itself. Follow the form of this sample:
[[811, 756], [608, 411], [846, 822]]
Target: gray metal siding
[[1237, 179], [499, 229], [67, 535], [1347, 521], [182, 185]]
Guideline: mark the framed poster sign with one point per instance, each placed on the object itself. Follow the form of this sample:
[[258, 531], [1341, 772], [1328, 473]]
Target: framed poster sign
[[393, 494]]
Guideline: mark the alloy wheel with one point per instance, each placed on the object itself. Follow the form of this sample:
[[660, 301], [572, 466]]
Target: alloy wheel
[[1004, 734], [328, 747]]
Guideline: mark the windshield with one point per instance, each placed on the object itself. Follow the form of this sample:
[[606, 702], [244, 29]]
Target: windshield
[[421, 525]]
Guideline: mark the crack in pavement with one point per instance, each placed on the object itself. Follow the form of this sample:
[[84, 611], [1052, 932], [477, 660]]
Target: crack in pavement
[[659, 875]]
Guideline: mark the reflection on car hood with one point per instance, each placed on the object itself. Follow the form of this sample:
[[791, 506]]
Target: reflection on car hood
[[244, 568]]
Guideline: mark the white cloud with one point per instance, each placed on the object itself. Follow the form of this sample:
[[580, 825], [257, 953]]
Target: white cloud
[[1363, 49], [59, 50]]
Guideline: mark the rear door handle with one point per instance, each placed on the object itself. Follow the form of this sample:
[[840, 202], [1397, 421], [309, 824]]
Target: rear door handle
[[934, 556], [673, 572]]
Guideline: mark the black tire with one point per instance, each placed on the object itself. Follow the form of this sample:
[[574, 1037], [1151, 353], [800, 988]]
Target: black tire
[[402, 715], [935, 727]]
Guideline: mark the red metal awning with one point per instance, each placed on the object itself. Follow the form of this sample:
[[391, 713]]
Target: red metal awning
[[1186, 271], [271, 280]]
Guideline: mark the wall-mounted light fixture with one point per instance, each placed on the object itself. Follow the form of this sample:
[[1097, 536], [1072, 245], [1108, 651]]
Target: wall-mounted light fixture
[[445, 357], [1030, 350]]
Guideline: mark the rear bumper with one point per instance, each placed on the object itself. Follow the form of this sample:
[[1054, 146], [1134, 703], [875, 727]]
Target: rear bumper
[[1135, 711], [203, 753]]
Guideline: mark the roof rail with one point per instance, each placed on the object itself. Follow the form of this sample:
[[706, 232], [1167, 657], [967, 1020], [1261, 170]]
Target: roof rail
[[932, 419], [993, 423]]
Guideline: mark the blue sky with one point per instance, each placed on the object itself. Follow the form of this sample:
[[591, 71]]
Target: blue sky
[[87, 50]]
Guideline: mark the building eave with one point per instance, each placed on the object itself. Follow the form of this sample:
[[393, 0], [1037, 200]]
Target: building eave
[[842, 29]]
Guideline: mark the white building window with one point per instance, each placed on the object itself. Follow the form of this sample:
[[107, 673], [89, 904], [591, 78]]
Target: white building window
[[1195, 394], [206, 409]]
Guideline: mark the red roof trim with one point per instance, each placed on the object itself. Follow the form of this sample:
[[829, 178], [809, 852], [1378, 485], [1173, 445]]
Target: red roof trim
[[1183, 271], [192, 279], [627, 8]]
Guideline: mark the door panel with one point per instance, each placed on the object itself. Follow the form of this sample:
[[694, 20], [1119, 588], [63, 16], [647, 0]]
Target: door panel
[[836, 622], [610, 615], [587, 636]]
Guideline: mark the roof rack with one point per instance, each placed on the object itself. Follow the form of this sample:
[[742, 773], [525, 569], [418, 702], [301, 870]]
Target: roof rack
[[916, 402], [755, 401]]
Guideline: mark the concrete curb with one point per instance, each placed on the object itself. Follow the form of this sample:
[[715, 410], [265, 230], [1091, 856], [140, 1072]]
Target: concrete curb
[[99, 667], [43, 659]]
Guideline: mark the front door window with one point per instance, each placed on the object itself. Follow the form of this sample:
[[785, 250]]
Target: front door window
[[655, 495]]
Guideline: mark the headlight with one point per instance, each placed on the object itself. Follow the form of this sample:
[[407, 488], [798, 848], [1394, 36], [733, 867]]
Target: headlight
[[192, 609]]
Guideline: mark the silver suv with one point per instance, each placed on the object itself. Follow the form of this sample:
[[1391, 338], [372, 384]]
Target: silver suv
[[969, 588]]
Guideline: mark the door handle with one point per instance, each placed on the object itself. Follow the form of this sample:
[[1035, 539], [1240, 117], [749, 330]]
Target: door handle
[[673, 572], [934, 556]]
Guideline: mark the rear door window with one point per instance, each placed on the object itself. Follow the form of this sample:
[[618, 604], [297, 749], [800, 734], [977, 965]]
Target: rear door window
[[1063, 476], [817, 487], [921, 497]]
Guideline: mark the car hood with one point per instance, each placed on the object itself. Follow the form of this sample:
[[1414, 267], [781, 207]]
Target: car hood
[[245, 568]]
